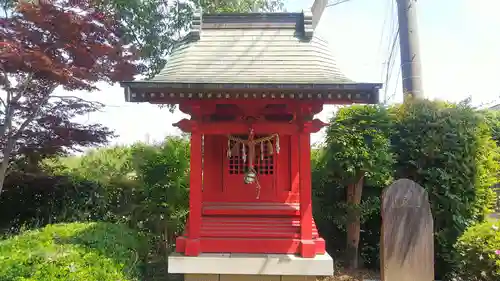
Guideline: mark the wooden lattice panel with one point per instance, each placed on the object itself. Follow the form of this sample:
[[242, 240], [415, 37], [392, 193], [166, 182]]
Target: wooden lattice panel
[[263, 159]]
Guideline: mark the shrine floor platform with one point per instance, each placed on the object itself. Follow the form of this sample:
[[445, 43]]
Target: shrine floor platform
[[252, 264], [250, 234]]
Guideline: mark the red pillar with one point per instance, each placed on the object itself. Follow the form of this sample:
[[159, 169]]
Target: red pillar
[[307, 249], [195, 196]]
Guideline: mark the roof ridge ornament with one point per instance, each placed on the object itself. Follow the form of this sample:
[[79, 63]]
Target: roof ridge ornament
[[196, 24], [308, 23]]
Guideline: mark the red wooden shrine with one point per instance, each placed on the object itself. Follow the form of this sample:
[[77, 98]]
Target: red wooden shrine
[[250, 177], [269, 142]]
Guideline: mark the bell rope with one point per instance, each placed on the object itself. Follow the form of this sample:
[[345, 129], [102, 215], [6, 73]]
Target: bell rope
[[251, 143]]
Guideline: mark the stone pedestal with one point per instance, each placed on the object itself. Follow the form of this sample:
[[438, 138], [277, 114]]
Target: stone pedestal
[[250, 267], [234, 277]]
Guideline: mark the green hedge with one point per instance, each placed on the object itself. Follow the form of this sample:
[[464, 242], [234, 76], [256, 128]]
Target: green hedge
[[35, 200], [143, 186], [449, 150], [479, 253], [76, 252]]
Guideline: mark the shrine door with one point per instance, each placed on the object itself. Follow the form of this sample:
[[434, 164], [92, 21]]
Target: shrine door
[[224, 174]]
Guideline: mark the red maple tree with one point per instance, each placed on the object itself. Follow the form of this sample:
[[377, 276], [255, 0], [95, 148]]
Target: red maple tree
[[49, 44]]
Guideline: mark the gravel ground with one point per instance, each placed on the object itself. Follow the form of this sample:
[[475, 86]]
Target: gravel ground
[[357, 275]]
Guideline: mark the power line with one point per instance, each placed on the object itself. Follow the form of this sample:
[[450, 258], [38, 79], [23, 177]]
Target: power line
[[396, 86], [387, 15], [382, 33], [337, 2], [392, 46], [391, 60], [394, 30], [390, 64]]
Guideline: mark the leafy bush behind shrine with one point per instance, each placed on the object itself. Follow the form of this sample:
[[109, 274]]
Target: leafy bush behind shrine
[[142, 185], [447, 148]]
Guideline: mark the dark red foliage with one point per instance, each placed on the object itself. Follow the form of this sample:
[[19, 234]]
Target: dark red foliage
[[67, 42], [54, 132], [50, 44]]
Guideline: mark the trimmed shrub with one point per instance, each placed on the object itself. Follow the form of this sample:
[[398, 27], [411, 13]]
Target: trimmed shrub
[[76, 251], [479, 253], [357, 144], [492, 118], [448, 149], [111, 170], [35, 200]]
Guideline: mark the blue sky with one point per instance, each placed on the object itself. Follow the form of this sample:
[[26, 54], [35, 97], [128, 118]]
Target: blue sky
[[460, 43]]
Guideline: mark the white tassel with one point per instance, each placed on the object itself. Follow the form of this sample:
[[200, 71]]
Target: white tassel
[[229, 148], [261, 151], [244, 153], [277, 143], [270, 148]]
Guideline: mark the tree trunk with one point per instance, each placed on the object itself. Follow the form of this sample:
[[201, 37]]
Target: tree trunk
[[3, 171], [354, 192], [5, 162], [12, 135]]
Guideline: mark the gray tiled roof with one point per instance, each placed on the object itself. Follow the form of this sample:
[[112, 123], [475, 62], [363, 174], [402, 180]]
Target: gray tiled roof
[[252, 48], [495, 107]]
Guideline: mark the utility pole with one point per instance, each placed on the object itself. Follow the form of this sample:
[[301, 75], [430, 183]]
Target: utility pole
[[409, 47], [317, 9]]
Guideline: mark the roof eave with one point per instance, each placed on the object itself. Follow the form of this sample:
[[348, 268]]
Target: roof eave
[[327, 93], [145, 85]]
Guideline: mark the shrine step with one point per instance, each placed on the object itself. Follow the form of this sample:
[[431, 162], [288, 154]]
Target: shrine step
[[251, 209], [250, 227], [250, 245]]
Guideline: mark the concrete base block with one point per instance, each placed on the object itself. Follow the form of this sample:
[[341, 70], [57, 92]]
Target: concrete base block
[[240, 266], [236, 277]]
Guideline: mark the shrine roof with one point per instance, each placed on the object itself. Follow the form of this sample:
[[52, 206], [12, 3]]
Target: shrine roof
[[251, 51]]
